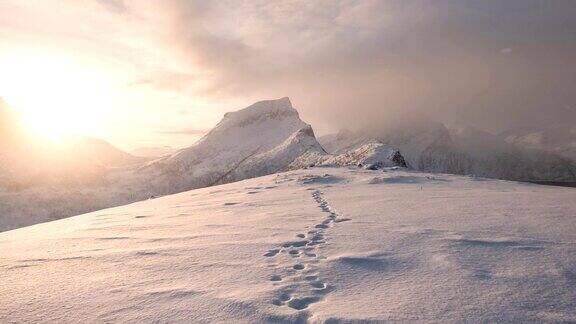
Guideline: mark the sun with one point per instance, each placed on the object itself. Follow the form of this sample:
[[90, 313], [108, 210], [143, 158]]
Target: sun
[[55, 96]]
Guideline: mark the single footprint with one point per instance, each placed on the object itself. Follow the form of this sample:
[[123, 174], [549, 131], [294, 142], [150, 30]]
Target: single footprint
[[301, 235], [272, 252], [295, 243], [294, 253], [318, 284], [302, 303], [317, 237], [275, 278], [298, 266], [283, 298]]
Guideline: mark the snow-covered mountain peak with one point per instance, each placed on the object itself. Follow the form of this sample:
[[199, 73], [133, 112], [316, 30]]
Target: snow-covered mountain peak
[[260, 111], [260, 139], [258, 127]]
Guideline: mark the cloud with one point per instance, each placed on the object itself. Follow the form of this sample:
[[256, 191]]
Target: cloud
[[379, 59], [488, 63]]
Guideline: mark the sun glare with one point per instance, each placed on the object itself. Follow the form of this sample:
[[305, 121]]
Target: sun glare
[[55, 96]]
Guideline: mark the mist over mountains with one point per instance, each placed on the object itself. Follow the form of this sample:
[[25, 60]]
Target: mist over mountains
[[39, 182], [28, 160], [492, 65], [431, 146], [559, 138]]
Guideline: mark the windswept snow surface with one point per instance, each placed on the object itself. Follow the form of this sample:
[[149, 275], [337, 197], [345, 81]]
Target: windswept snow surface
[[322, 244]]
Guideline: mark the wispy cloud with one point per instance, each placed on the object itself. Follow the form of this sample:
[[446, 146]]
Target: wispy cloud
[[490, 63], [387, 58]]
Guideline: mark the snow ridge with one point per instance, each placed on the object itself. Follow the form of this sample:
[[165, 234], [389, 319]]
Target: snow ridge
[[370, 156]]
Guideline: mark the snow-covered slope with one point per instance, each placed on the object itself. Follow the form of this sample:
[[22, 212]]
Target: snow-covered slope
[[317, 245], [261, 139], [371, 156]]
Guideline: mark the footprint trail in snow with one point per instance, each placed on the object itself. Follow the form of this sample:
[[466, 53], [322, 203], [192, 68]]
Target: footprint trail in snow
[[296, 262]]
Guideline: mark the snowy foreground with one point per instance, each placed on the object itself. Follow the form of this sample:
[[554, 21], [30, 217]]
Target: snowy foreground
[[323, 244]]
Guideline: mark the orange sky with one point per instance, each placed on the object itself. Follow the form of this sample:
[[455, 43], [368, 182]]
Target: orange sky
[[152, 73], [85, 68]]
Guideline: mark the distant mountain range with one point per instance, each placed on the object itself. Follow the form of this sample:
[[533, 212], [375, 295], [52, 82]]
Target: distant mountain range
[[559, 138], [264, 138], [28, 161], [430, 146], [40, 183]]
